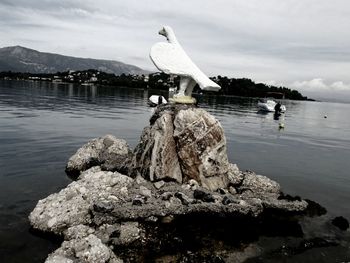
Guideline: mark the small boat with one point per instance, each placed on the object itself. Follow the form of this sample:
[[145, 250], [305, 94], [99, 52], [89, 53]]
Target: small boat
[[154, 100], [269, 105]]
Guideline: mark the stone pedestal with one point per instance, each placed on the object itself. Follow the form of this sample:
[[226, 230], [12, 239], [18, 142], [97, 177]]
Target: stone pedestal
[[183, 143]]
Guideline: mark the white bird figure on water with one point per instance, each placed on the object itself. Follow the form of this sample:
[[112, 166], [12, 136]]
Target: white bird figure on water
[[170, 58]]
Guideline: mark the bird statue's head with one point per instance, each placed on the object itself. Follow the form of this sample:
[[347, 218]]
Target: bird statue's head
[[168, 32], [164, 31]]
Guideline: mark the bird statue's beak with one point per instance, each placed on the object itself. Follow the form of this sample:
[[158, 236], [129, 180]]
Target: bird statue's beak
[[162, 32]]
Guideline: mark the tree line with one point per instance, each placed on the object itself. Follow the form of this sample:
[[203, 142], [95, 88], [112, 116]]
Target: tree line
[[243, 87]]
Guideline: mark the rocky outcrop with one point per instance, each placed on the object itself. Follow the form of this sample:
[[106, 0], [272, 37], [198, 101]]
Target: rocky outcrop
[[121, 209], [99, 192], [110, 153], [180, 192]]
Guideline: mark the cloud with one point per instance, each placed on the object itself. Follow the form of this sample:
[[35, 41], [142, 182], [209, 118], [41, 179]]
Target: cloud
[[267, 40], [340, 86], [318, 88], [310, 85]]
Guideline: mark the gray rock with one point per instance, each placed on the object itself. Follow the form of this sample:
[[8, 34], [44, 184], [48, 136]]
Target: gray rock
[[194, 184], [241, 255], [222, 191], [152, 219], [129, 233], [183, 143], [254, 185], [166, 196], [71, 206], [235, 176], [87, 249], [159, 184], [155, 157], [176, 202], [53, 258], [232, 190], [145, 192], [138, 200], [107, 232], [217, 198], [186, 187], [103, 206], [185, 200], [111, 153], [203, 195], [228, 200], [284, 205], [140, 180], [167, 219], [201, 145], [59, 211], [78, 231]]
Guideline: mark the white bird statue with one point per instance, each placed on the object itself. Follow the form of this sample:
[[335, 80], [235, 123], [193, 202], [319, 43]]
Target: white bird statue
[[170, 58]]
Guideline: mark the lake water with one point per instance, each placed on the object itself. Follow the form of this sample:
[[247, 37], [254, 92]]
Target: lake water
[[43, 124]]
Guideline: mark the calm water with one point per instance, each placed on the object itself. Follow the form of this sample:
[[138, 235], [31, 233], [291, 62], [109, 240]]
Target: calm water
[[42, 125]]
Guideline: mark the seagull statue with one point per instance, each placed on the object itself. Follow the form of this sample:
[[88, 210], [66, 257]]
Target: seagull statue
[[170, 58]]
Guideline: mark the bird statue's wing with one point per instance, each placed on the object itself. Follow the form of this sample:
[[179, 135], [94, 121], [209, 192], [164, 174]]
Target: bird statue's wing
[[172, 59]]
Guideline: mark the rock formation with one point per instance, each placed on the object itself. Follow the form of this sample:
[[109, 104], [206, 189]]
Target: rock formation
[[183, 143], [178, 190], [108, 152]]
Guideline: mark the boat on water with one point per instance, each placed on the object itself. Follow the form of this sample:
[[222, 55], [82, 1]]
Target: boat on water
[[154, 100], [268, 105]]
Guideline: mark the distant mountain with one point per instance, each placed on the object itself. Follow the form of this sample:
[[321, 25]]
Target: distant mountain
[[21, 59]]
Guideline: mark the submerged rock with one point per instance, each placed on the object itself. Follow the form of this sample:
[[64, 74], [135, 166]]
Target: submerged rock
[[341, 222]]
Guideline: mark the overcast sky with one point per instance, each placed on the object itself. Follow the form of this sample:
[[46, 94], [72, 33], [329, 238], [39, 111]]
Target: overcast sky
[[303, 45]]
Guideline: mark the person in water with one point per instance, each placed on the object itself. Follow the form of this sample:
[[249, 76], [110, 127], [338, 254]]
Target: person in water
[[278, 108]]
